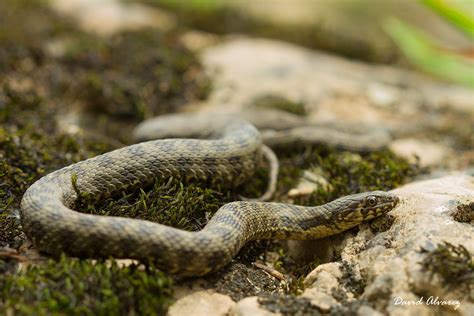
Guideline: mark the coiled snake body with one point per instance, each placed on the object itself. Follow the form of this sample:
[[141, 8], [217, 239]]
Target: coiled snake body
[[230, 157]]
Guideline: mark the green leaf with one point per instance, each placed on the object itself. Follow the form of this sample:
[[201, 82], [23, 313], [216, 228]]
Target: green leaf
[[459, 18], [422, 51]]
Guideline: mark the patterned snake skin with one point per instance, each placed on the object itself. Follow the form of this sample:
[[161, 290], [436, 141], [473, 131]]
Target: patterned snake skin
[[229, 157]]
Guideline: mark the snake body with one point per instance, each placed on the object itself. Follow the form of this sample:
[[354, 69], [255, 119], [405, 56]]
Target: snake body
[[229, 157]]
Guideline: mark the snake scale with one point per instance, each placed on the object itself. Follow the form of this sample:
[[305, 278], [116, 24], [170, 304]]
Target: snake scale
[[229, 155]]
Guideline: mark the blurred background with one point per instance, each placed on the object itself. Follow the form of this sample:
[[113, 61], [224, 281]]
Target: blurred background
[[434, 35]]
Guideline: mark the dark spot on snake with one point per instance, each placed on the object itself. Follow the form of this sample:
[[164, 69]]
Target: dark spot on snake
[[309, 223], [216, 259], [235, 159], [184, 160], [210, 161]]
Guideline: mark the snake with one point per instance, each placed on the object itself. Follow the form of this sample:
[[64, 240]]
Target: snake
[[222, 150]]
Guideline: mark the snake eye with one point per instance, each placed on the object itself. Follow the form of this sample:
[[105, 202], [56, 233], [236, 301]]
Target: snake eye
[[372, 200]]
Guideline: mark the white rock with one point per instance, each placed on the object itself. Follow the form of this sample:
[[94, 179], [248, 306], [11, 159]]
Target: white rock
[[249, 306], [429, 153], [110, 16], [202, 303]]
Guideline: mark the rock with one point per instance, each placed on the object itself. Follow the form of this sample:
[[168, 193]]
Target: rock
[[426, 153], [368, 311], [329, 273], [198, 40], [311, 180], [394, 268], [111, 16], [382, 95], [202, 303], [322, 283], [250, 306], [330, 87]]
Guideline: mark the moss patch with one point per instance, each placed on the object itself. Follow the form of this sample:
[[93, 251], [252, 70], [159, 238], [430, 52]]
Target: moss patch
[[75, 287], [346, 173], [159, 74], [169, 202], [464, 213], [454, 264], [38, 88]]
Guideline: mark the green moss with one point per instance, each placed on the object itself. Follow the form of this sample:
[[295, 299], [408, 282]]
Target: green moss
[[454, 264], [167, 202], [36, 88], [29, 150], [75, 287], [158, 76], [346, 173]]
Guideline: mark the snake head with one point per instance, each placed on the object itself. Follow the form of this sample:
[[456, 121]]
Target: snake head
[[361, 207]]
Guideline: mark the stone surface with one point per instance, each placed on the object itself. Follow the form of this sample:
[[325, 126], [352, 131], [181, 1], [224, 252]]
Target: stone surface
[[427, 153], [106, 17], [386, 265], [246, 69], [202, 303], [249, 306]]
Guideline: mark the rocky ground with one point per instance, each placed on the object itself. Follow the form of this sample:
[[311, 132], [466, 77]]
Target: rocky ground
[[66, 95]]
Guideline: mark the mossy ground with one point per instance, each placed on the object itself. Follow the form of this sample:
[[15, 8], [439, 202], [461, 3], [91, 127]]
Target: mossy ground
[[68, 286], [37, 88], [454, 264]]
